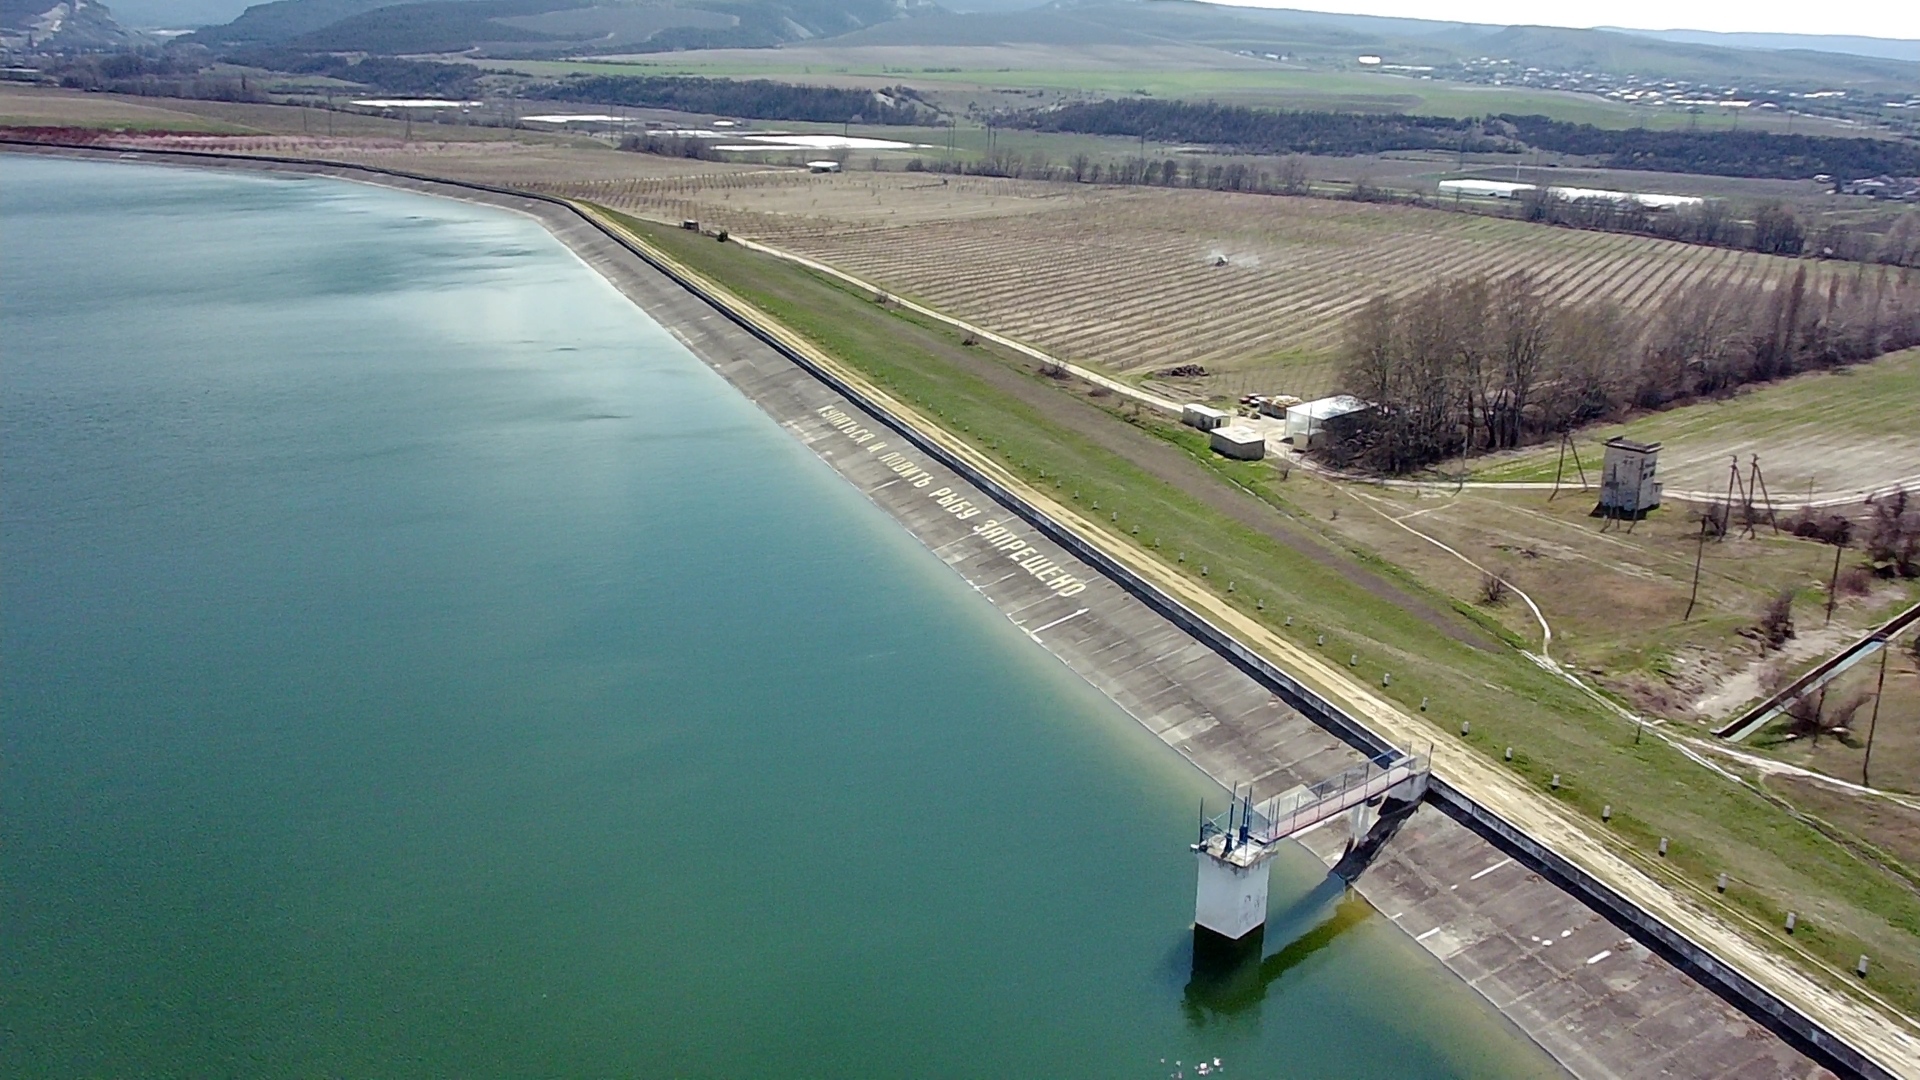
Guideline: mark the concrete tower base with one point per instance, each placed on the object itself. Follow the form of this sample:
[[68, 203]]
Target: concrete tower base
[[1231, 900]]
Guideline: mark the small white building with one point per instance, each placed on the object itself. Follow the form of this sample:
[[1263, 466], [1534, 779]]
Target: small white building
[[823, 165], [1627, 486], [1239, 442], [1204, 417], [1308, 419], [1501, 189], [1483, 189]]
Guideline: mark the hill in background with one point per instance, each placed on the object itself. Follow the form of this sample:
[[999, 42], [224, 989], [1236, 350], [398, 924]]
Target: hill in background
[[546, 27], [67, 25]]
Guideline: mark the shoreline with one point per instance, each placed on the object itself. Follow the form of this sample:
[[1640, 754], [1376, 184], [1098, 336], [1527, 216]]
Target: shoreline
[[1238, 716]]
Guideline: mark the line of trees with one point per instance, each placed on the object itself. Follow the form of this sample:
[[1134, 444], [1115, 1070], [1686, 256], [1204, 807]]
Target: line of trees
[[1266, 131], [1721, 153], [755, 98], [1484, 363], [190, 73], [411, 78], [1289, 178], [668, 144], [1270, 131], [1772, 227], [1897, 245]]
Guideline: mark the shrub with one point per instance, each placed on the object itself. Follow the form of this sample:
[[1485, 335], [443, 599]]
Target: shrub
[[1776, 620], [1493, 589], [1893, 536]]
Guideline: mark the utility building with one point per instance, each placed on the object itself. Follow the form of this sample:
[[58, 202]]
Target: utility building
[[1239, 441], [1204, 417], [1307, 421], [1627, 486]]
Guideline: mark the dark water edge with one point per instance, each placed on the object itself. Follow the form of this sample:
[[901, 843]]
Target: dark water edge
[[413, 662]]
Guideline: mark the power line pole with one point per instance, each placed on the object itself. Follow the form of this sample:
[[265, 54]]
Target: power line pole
[[1874, 721], [1758, 483], [1699, 553], [1833, 582]]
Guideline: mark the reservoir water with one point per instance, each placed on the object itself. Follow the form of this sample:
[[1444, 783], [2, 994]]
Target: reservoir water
[[414, 662]]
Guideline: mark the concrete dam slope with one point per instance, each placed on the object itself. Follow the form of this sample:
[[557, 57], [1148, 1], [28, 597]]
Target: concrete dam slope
[[1592, 993]]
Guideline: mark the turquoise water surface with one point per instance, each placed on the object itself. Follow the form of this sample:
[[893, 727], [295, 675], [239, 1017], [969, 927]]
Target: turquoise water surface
[[415, 663]]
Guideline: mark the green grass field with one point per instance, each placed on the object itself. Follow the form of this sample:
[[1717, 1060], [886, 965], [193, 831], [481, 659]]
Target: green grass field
[[1853, 428], [1275, 88], [1778, 862]]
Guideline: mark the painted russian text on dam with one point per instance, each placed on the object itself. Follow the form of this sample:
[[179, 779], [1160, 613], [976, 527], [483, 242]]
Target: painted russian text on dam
[[1024, 554]]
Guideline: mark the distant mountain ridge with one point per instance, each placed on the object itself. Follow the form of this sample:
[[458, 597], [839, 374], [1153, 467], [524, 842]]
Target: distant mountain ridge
[[281, 20], [1321, 37], [75, 25], [1329, 27], [547, 27], [1846, 44]]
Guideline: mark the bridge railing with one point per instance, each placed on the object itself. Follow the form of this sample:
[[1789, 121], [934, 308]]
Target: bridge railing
[[1286, 814]]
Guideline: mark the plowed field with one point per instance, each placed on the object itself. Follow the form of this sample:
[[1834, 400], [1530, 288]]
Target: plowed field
[[1135, 280]]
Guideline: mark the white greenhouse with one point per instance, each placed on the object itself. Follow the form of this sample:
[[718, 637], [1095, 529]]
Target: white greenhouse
[[1309, 418]]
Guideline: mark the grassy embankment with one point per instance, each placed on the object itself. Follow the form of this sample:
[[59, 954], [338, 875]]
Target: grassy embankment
[[1847, 906]]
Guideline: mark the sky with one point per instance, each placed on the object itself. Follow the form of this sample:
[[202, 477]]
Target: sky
[[1895, 19]]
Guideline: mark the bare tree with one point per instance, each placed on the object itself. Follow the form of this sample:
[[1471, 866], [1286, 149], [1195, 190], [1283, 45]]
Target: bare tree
[[1473, 362], [1776, 620], [1493, 589], [1893, 534], [1293, 176], [1524, 325], [1813, 714]]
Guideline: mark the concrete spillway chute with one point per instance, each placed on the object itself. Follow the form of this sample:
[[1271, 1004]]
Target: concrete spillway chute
[[1230, 899]]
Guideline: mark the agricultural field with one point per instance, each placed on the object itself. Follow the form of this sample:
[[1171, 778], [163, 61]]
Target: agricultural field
[[1255, 289], [1821, 436], [21, 107], [1002, 73], [493, 155], [33, 106]]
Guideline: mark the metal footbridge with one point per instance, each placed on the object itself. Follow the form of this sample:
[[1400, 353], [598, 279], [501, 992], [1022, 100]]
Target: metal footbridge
[[1230, 900], [1247, 829]]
